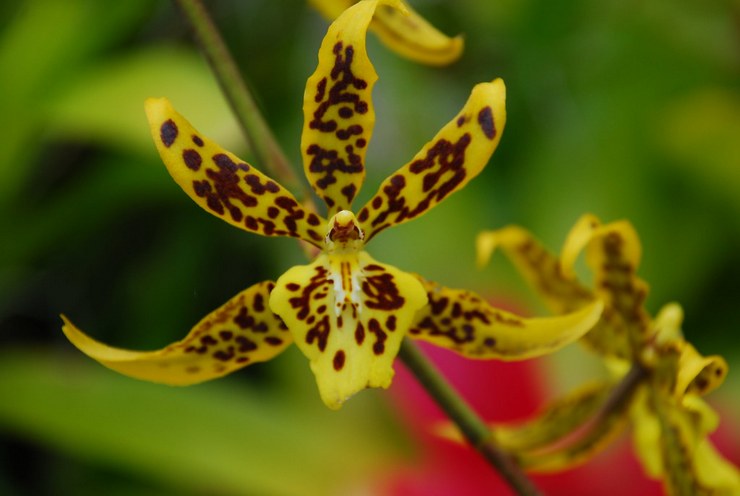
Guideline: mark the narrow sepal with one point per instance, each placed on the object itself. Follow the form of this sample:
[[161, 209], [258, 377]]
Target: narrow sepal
[[595, 431], [403, 31], [564, 434], [465, 323], [348, 315], [224, 185], [552, 279], [239, 333], [338, 113], [457, 154]]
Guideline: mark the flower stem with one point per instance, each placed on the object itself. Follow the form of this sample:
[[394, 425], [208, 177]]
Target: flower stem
[[473, 428], [256, 131]]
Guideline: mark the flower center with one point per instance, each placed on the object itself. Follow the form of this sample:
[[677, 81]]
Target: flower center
[[344, 233]]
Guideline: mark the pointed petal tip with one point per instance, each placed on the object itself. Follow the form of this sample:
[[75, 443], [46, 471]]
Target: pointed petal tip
[[485, 245]]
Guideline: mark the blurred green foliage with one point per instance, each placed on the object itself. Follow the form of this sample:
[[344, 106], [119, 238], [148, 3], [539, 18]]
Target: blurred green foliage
[[627, 110]]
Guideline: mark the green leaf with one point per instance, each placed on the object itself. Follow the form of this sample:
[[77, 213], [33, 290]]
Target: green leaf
[[217, 438], [106, 103]]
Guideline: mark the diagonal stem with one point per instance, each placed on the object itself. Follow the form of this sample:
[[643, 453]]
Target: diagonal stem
[[254, 127], [473, 428]]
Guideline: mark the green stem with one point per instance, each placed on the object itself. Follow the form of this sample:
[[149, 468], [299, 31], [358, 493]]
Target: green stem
[[256, 131], [473, 428]]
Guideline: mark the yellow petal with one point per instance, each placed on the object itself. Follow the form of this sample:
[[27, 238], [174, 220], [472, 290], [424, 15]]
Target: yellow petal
[[564, 434], [223, 184], [338, 113], [699, 374], [672, 445], [403, 31], [714, 472], [411, 36], [348, 315], [613, 254], [465, 323], [457, 154], [556, 421], [578, 237], [239, 333], [646, 434], [696, 373], [541, 269]]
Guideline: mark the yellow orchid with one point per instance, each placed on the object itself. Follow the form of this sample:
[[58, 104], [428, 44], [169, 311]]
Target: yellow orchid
[[407, 34], [346, 312], [670, 421]]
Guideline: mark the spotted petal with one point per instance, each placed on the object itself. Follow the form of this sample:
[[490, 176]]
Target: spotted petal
[[613, 254], [696, 373], [403, 31], [673, 447], [338, 110], [552, 279], [457, 154], [241, 332], [223, 184], [465, 323], [348, 315]]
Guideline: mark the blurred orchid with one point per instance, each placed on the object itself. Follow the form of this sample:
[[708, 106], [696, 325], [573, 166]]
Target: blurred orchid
[[660, 396], [345, 311], [403, 31]]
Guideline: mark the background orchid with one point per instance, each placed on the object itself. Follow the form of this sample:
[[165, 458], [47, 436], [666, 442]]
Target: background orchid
[[663, 376]]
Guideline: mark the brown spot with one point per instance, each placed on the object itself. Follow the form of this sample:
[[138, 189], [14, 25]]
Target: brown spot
[[485, 119], [272, 212], [192, 369], [380, 336], [226, 335], [192, 159], [259, 303], [349, 192], [339, 360], [224, 355], [251, 223], [360, 333], [313, 219], [168, 132], [273, 341], [291, 286], [245, 344], [390, 323], [197, 140], [382, 292], [243, 319], [460, 121]]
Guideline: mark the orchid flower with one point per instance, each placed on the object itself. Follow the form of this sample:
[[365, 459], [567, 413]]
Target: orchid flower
[[669, 419], [345, 311]]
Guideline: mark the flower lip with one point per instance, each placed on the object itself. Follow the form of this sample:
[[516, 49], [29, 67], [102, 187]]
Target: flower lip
[[343, 229]]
